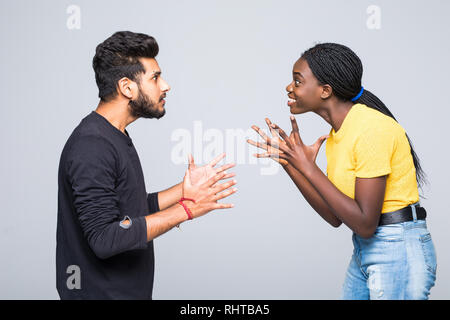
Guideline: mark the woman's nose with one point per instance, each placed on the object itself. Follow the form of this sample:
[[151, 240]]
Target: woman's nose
[[289, 87]]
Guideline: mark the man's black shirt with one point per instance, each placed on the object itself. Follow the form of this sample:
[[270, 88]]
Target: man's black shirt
[[100, 184]]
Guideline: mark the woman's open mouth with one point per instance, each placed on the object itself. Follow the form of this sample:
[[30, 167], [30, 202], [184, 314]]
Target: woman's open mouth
[[291, 102]]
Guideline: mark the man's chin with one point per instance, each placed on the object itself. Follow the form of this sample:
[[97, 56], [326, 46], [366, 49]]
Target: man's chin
[[160, 115], [149, 113], [153, 115]]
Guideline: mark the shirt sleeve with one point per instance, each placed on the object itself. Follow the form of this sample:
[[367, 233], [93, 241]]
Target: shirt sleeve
[[373, 153], [152, 200], [93, 171]]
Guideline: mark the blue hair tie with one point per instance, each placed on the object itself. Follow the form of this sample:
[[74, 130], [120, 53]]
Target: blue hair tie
[[358, 95]]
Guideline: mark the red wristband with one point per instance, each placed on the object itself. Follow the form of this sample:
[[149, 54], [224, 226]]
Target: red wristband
[[188, 199], [188, 212]]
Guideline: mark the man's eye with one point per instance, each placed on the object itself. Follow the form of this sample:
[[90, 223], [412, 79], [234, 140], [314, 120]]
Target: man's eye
[[155, 78]]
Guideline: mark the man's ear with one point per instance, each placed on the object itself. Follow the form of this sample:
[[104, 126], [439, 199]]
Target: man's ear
[[327, 91], [127, 87]]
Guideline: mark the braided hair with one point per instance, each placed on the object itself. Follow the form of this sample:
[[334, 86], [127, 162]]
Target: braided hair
[[338, 66]]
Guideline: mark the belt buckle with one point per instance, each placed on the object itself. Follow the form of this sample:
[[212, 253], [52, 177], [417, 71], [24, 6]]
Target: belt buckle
[[413, 209]]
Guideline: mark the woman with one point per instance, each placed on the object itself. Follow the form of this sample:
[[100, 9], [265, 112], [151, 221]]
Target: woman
[[372, 177]]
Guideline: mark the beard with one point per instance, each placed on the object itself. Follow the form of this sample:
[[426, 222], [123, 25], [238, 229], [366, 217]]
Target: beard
[[144, 107]]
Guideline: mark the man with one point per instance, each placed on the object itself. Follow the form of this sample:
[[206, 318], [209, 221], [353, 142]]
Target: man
[[106, 219]]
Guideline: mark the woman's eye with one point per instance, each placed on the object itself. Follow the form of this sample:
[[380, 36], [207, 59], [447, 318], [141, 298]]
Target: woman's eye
[[296, 82]]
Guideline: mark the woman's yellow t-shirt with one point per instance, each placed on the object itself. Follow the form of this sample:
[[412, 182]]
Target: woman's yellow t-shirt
[[370, 144]]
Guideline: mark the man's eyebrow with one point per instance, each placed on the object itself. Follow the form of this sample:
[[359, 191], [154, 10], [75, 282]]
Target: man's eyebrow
[[156, 73]]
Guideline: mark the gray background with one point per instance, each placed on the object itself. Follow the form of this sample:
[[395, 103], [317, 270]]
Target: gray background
[[228, 63]]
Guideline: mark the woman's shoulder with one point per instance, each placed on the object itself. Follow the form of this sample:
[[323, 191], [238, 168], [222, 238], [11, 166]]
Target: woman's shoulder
[[373, 120]]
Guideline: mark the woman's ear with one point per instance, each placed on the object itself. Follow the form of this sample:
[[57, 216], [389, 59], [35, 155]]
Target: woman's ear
[[126, 87], [326, 91]]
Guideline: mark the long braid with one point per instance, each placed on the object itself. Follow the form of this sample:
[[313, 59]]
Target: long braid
[[338, 66]]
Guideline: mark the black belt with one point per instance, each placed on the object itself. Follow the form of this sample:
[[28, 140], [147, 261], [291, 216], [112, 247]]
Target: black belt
[[402, 215]]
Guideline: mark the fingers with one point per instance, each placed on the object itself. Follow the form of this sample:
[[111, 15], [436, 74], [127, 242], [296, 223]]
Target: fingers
[[225, 167], [322, 139], [271, 155], [295, 131], [269, 141], [217, 159], [229, 175], [319, 143], [223, 186], [224, 194], [272, 130], [262, 134], [191, 162], [187, 178], [223, 206], [283, 135], [258, 144], [214, 179]]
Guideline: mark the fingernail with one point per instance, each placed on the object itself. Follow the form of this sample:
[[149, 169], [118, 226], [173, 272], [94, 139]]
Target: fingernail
[[292, 117]]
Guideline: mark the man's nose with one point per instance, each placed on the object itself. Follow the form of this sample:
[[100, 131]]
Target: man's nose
[[165, 86]]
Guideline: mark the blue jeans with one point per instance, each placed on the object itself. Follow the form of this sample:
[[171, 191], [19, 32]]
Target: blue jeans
[[397, 262]]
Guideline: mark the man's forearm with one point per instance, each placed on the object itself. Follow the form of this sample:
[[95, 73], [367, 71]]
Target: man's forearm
[[162, 221], [312, 196], [169, 197]]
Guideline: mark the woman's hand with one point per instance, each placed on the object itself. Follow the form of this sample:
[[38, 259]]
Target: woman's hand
[[293, 150], [269, 148]]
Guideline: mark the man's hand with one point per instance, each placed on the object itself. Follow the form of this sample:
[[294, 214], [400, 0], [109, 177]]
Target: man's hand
[[207, 194], [200, 175]]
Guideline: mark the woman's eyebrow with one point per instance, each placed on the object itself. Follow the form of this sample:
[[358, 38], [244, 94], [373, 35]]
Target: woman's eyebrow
[[298, 73]]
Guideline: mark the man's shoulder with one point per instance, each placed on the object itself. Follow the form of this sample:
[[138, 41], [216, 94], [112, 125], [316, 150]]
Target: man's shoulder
[[89, 137]]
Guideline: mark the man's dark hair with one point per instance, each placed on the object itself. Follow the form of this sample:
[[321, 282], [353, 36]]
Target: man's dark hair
[[118, 57]]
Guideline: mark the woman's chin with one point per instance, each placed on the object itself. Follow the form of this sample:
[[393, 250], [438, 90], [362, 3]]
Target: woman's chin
[[295, 110]]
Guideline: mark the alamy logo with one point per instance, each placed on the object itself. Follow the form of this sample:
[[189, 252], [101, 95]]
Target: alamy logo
[[74, 280], [374, 19], [74, 20], [207, 144]]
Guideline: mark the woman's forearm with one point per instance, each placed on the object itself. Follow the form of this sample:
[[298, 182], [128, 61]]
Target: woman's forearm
[[312, 196], [362, 220]]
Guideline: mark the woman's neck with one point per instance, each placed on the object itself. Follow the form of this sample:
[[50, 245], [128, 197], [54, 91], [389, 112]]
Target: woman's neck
[[335, 112]]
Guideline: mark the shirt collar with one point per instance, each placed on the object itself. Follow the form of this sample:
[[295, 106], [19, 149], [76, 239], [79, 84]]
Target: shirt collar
[[125, 136], [337, 136]]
